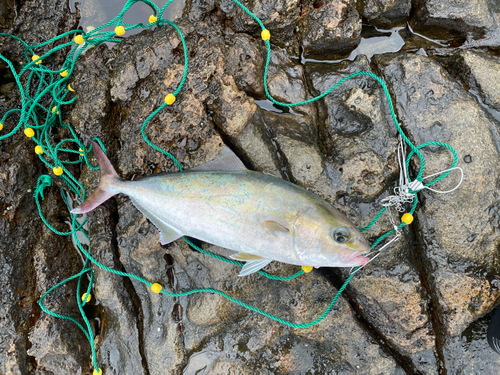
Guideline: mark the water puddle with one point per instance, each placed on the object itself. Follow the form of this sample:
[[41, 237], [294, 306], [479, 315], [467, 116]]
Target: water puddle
[[373, 41], [435, 41], [95, 13], [268, 105]]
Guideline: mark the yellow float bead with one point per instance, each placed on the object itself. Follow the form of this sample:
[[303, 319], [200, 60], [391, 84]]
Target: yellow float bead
[[54, 109], [97, 371], [156, 288], [119, 30], [34, 57], [29, 132], [79, 39], [152, 19], [307, 269], [64, 74], [86, 300], [170, 99], [70, 88], [1, 126], [265, 34], [58, 171], [407, 218], [38, 150]]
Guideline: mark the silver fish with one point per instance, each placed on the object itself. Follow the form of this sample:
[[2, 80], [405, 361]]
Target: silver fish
[[261, 217]]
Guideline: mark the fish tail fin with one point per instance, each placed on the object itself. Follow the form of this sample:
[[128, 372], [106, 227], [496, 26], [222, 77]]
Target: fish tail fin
[[104, 190]]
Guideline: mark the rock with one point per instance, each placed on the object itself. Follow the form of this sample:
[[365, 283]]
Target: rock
[[287, 84], [39, 21], [360, 142], [93, 85], [32, 258], [20, 231], [256, 145], [285, 78], [481, 360], [390, 296], [271, 13], [459, 272], [330, 28], [7, 14], [355, 133], [244, 60], [462, 16], [276, 143], [189, 129], [480, 71], [57, 348], [386, 13], [232, 110], [119, 339], [207, 331]]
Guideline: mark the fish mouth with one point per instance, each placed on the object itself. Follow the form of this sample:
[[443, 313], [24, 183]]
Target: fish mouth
[[359, 260], [355, 259]]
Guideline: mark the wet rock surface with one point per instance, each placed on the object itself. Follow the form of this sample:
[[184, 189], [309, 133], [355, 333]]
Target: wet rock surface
[[360, 142], [480, 72], [329, 28], [270, 13], [32, 258], [477, 22], [460, 262], [208, 333], [464, 16], [421, 307], [386, 13]]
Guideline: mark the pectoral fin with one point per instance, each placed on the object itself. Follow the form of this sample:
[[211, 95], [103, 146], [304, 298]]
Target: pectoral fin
[[253, 266], [273, 226], [167, 233], [245, 257]]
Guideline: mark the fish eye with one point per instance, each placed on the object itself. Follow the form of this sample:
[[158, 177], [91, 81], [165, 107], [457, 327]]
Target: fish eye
[[341, 235]]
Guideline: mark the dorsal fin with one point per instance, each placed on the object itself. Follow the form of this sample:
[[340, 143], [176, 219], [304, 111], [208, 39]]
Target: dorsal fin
[[225, 161]]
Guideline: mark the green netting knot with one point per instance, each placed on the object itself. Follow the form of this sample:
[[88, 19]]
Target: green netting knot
[[43, 181]]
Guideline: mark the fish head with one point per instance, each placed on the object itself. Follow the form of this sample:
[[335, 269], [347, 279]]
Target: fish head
[[348, 245], [327, 238], [345, 245]]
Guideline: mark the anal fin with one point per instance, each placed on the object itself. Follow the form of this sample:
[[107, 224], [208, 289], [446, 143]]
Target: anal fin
[[167, 233], [253, 266]]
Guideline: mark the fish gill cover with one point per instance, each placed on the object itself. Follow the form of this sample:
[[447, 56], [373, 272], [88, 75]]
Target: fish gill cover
[[44, 94]]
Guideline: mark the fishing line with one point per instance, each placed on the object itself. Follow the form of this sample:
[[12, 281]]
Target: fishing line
[[46, 89]]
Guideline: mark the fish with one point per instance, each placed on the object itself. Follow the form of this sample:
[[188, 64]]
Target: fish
[[261, 217]]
